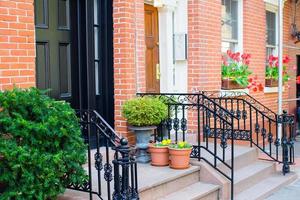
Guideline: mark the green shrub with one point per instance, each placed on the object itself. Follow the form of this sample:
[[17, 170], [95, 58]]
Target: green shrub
[[40, 144], [144, 111]]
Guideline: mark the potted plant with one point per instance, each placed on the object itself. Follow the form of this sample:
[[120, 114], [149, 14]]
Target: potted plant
[[272, 71], [180, 155], [160, 153], [235, 71], [143, 114]]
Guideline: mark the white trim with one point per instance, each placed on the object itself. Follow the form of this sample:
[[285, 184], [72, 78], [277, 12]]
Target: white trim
[[241, 26], [233, 93], [268, 90]]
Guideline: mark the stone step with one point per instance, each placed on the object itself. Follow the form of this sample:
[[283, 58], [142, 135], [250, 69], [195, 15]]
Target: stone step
[[252, 174], [157, 182], [266, 187], [196, 191]]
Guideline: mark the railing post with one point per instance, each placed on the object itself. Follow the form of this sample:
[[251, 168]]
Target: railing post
[[121, 182], [284, 144]]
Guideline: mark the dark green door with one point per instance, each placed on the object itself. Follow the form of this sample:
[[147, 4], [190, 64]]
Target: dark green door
[[56, 64]]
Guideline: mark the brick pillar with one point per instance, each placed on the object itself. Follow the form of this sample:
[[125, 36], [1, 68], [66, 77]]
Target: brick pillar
[[204, 49], [204, 52], [17, 44], [128, 55]]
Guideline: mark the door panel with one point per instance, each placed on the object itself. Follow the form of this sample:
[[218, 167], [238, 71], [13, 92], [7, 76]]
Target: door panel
[[152, 49], [54, 61]]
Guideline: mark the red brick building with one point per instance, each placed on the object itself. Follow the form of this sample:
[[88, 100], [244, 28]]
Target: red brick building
[[96, 54]]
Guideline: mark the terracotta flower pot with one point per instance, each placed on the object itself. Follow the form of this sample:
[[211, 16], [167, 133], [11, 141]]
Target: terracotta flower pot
[[271, 82], [180, 158], [159, 155], [228, 84]]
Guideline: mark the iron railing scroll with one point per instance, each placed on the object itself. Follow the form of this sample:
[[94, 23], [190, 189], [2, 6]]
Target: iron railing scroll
[[195, 118], [259, 125], [111, 166]]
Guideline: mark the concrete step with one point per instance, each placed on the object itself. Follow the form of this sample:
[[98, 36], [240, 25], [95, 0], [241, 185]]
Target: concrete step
[[196, 191], [266, 187], [157, 182], [252, 174]]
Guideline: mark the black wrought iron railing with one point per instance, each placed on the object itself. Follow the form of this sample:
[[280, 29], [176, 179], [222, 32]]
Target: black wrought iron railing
[[273, 134], [111, 167], [195, 118]]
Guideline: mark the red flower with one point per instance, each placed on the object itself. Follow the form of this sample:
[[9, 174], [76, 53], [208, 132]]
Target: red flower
[[286, 59], [260, 87], [255, 89], [298, 80], [250, 80]]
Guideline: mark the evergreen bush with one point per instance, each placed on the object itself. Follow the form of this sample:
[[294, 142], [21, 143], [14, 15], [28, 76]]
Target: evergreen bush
[[41, 148]]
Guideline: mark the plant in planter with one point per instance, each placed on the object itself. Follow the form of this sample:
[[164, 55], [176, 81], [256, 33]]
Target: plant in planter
[[272, 71], [160, 153], [235, 71], [143, 114], [180, 155], [41, 148]]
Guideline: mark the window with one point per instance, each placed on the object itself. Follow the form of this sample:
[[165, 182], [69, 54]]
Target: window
[[230, 24], [270, 33]]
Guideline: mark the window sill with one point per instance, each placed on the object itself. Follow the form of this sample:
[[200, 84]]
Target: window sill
[[234, 93], [268, 90]]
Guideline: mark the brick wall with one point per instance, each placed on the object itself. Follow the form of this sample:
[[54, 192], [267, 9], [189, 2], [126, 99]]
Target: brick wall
[[204, 50], [17, 44], [128, 55]]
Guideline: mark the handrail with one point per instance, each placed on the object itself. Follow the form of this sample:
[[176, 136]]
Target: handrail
[[121, 169], [170, 95]]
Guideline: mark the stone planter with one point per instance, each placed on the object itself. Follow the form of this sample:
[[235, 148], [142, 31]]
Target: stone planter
[[143, 135], [159, 155], [180, 158], [228, 84], [271, 82]]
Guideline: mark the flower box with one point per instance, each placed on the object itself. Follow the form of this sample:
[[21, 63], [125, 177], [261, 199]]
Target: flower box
[[228, 84], [271, 82]]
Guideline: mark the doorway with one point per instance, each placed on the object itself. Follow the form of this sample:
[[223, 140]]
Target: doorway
[[74, 53], [152, 49]]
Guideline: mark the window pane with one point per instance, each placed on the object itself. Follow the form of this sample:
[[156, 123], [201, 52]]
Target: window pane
[[271, 28], [230, 19], [229, 46]]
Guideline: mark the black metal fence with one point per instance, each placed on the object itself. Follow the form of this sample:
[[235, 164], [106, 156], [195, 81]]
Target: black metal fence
[[215, 120], [111, 167], [196, 118], [273, 134]]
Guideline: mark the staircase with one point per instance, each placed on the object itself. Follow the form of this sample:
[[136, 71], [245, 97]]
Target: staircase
[[254, 179], [216, 123]]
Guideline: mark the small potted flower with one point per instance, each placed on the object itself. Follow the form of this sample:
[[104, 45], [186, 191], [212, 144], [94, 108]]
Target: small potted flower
[[160, 153], [180, 155], [235, 71], [272, 71], [143, 114]]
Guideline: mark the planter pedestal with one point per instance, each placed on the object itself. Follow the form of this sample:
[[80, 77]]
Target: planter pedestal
[[143, 136]]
